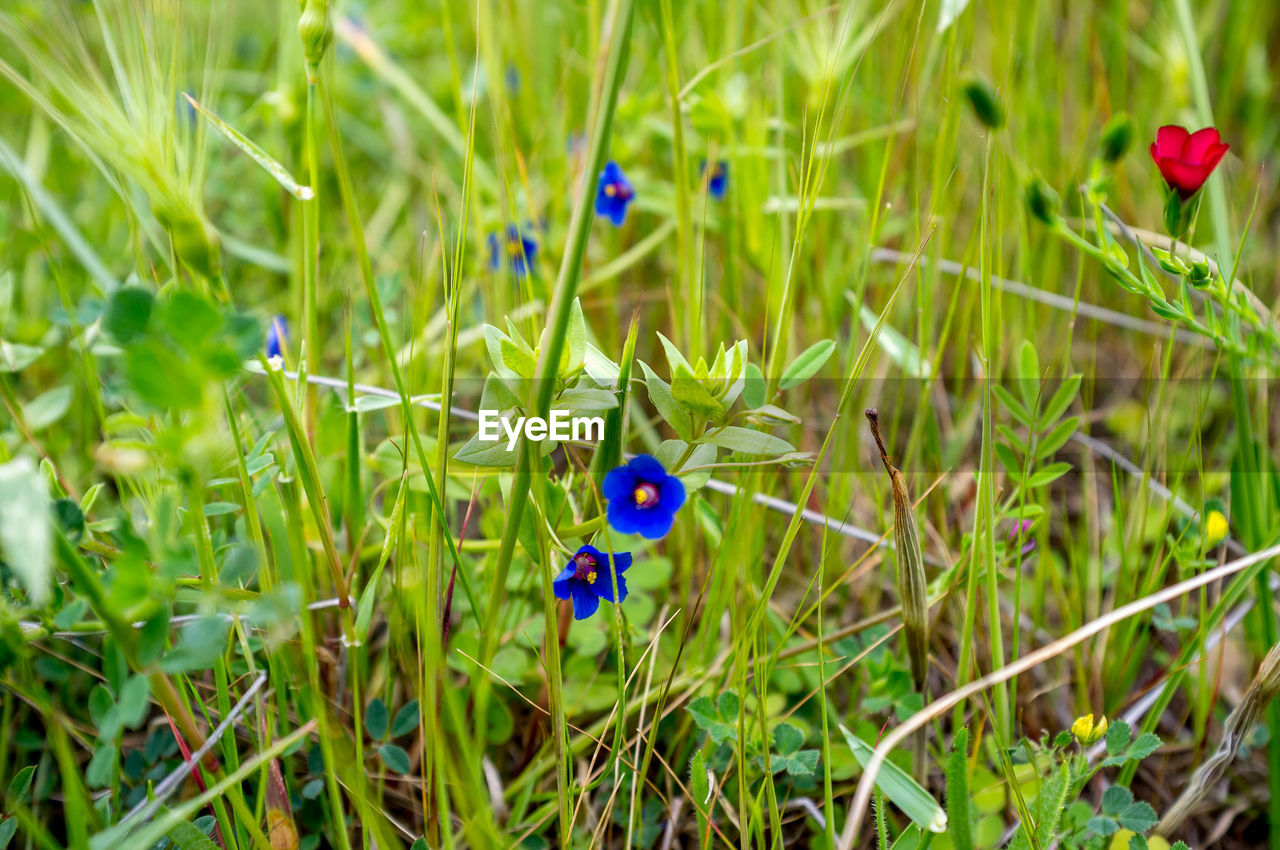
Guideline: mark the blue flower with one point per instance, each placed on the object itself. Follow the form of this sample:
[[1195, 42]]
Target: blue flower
[[586, 580], [643, 498], [519, 250], [718, 183], [614, 194], [277, 336]]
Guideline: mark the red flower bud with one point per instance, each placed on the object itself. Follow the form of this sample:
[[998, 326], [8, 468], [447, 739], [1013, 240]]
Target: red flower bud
[[1187, 159]]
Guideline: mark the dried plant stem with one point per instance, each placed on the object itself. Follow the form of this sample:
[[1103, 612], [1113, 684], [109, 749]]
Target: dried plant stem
[[1262, 690]]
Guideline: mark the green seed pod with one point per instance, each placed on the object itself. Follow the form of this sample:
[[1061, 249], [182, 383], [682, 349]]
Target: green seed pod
[[1042, 201], [316, 30], [983, 100], [912, 587], [1117, 137]]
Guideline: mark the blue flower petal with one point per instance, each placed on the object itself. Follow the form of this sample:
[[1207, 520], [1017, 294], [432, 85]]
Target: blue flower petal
[[648, 468], [619, 483], [560, 584], [604, 587], [671, 494], [585, 602], [655, 524], [624, 516], [621, 561]]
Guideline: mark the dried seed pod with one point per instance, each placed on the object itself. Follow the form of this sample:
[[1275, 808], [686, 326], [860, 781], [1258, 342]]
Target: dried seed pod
[[912, 587], [1262, 690]]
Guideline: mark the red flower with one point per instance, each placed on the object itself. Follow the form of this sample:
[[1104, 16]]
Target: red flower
[[1187, 159]]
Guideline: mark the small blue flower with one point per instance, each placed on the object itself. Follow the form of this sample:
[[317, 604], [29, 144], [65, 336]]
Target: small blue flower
[[643, 498], [614, 194], [718, 183], [277, 336], [586, 580], [520, 251]]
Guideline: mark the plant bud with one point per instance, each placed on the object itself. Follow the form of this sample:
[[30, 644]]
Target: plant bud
[[1117, 137], [316, 30], [1042, 201], [983, 100]]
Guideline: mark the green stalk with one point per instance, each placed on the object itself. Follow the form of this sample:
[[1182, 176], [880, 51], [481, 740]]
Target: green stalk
[[692, 282], [561, 305], [1260, 513]]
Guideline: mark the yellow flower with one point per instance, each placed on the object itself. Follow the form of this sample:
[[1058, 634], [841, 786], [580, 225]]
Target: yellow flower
[[1088, 732], [1215, 526]]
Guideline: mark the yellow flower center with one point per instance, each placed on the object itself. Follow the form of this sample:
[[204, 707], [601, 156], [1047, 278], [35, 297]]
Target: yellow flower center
[[610, 190], [591, 577], [645, 495]]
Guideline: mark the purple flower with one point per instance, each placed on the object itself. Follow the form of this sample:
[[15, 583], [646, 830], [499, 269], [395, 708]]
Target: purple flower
[[614, 194], [586, 579], [1020, 530], [643, 498]]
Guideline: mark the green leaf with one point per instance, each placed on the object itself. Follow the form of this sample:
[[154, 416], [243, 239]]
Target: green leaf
[[26, 526], [406, 719], [128, 312], [902, 351], [395, 758], [21, 783], [102, 766], [1146, 744], [665, 403], [728, 705], [478, 452], [1047, 475], [375, 719], [585, 400], [960, 826], [806, 364], [1138, 817], [201, 642], [1061, 399], [692, 395], [14, 356], [187, 836], [1118, 736], [753, 388], [277, 171], [675, 360], [1011, 404], [575, 341], [1028, 374], [1116, 799], [160, 378], [787, 739], [516, 360], [47, 408], [132, 704], [903, 791], [747, 441], [671, 451], [1102, 825], [699, 780], [1056, 438]]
